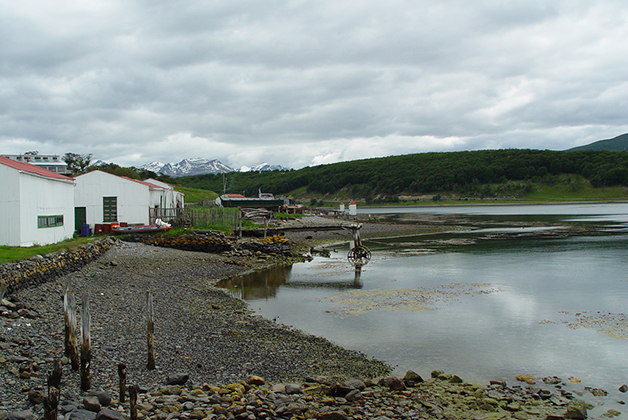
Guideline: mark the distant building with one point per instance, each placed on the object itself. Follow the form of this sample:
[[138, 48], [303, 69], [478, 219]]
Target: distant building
[[104, 198], [263, 200], [36, 205], [342, 207], [353, 208], [53, 163]]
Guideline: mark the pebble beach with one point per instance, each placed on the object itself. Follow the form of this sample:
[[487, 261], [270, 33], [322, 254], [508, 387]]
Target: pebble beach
[[215, 359]]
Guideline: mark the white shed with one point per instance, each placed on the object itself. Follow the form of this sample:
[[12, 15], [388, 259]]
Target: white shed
[[36, 205], [106, 198]]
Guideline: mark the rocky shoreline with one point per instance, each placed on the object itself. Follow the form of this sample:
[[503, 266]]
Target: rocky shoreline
[[234, 364]]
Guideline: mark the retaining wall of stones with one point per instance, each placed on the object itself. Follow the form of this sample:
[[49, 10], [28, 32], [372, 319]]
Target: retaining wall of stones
[[43, 268]]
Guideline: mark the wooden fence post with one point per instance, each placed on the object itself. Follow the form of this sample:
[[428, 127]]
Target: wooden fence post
[[51, 402], [122, 376], [71, 347], [86, 350], [150, 330], [133, 401]]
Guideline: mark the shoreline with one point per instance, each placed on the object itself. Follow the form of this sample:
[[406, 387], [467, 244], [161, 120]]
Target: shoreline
[[201, 330]]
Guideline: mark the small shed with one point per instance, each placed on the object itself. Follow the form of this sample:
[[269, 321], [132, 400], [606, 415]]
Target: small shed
[[36, 205], [103, 198]]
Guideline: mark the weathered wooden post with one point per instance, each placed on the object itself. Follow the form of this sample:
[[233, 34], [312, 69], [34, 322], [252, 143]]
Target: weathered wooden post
[[122, 376], [51, 402], [71, 347], [133, 401], [86, 348], [150, 330]]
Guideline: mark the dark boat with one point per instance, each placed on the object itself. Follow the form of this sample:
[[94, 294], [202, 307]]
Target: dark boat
[[140, 229]]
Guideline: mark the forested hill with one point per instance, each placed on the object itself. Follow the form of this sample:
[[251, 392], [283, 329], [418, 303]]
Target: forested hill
[[616, 144], [428, 173]]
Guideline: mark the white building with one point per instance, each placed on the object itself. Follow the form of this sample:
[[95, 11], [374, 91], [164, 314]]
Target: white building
[[53, 163], [36, 205], [105, 198]]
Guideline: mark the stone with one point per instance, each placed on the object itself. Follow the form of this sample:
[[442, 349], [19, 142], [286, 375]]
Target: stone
[[36, 396], [104, 398], [333, 415], [91, 403], [256, 380], [177, 379], [354, 395], [413, 377], [623, 388], [576, 410], [355, 383], [293, 389], [527, 378], [394, 383], [436, 373], [108, 414], [81, 414], [22, 415]]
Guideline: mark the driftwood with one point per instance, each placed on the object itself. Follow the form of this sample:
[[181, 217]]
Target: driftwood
[[133, 389], [86, 347], [51, 402], [150, 330], [71, 347], [122, 376]]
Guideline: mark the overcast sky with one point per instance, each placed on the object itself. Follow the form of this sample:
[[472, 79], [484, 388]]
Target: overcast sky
[[301, 83]]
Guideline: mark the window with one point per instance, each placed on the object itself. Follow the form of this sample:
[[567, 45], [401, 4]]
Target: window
[[49, 221], [110, 209]]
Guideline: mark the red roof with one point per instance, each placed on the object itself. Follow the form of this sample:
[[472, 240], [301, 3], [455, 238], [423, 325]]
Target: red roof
[[144, 183], [32, 169], [352, 202]]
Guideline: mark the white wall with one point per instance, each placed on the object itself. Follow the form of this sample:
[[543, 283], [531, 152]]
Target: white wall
[[24, 197], [9, 206], [133, 197], [52, 198]]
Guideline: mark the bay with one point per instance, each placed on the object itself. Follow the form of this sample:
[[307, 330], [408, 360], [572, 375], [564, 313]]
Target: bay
[[492, 300]]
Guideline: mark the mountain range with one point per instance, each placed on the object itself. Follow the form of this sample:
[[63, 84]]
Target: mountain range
[[616, 144], [199, 166]]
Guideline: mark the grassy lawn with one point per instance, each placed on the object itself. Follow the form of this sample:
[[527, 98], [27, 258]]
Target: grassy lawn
[[194, 195], [15, 253]]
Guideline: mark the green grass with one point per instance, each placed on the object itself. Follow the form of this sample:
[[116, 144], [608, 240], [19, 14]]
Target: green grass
[[10, 254], [194, 195]]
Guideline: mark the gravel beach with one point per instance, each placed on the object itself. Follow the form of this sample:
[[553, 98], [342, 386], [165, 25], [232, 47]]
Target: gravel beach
[[213, 339]]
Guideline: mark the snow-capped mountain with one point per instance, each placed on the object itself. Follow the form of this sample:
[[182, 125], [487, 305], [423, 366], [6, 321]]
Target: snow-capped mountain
[[193, 166], [262, 167]]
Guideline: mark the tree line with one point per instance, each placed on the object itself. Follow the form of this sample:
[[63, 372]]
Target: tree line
[[425, 173]]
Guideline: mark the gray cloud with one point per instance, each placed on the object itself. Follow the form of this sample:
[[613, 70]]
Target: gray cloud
[[299, 83]]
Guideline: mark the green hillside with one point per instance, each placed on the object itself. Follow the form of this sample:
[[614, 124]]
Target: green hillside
[[511, 173], [616, 144]]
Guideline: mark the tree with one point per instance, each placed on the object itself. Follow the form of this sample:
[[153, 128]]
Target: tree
[[77, 164]]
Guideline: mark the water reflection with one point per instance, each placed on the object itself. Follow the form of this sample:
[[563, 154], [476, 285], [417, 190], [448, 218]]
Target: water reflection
[[266, 284]]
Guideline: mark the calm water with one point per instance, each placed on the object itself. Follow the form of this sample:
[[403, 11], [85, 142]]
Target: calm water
[[478, 308]]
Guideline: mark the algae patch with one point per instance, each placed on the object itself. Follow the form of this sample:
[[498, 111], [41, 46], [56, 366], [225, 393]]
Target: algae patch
[[355, 302], [613, 325]]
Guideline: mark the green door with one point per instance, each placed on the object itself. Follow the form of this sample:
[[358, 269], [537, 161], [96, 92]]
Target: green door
[[80, 218]]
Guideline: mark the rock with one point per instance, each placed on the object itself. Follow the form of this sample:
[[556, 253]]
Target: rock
[[354, 395], [527, 378], [341, 390], [576, 410], [355, 383], [36, 396], [293, 389], [22, 415], [552, 380], [104, 398], [623, 388], [108, 414], [394, 383], [436, 373], [178, 379], [334, 415], [456, 379], [68, 406], [500, 382], [411, 378], [81, 414], [256, 380], [91, 403]]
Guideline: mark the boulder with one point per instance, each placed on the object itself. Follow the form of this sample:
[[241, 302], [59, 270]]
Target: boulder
[[104, 398], [108, 414], [177, 379]]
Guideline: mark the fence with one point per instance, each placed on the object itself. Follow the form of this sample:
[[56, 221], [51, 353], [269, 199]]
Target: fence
[[165, 214], [212, 216]]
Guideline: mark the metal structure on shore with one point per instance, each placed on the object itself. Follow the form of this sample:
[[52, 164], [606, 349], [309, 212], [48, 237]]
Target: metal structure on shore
[[359, 255]]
